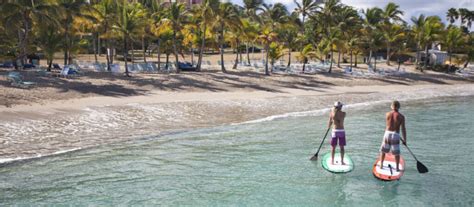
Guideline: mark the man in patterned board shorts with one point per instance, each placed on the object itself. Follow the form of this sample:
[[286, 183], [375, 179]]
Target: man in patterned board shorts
[[391, 140], [338, 134]]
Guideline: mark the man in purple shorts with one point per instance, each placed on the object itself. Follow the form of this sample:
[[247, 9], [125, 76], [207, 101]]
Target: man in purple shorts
[[338, 134]]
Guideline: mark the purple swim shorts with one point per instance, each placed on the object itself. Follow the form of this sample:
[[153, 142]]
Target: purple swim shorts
[[338, 135]]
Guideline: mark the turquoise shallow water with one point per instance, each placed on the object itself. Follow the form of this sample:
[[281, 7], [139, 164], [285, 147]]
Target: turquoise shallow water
[[262, 163]]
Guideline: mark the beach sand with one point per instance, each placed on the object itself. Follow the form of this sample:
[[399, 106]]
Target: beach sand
[[99, 108]]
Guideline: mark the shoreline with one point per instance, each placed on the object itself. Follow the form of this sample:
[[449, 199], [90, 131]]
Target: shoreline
[[40, 131], [159, 97]]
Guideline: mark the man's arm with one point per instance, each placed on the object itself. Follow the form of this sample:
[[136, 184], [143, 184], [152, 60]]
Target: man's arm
[[330, 120], [404, 131]]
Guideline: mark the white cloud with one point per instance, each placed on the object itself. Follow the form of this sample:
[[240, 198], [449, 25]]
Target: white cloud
[[410, 7]]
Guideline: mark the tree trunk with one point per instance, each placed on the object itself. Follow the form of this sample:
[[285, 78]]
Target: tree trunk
[[388, 54], [350, 64], [201, 49], [95, 46], [50, 62], [144, 49], [289, 57], [248, 55], [99, 45], [375, 64], [167, 61], [370, 58], [125, 55], [221, 36], [338, 59], [66, 45], [355, 62], [192, 55], [253, 51], [272, 63], [267, 47], [417, 54], [133, 52], [159, 54], [236, 56], [107, 55], [330, 64], [426, 58], [399, 63], [175, 48], [304, 65]]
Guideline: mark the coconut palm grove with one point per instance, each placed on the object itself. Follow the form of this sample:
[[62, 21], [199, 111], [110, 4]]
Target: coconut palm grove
[[326, 31]]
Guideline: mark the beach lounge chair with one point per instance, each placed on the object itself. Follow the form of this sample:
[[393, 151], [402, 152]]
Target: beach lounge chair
[[115, 69], [16, 80], [348, 70], [65, 71]]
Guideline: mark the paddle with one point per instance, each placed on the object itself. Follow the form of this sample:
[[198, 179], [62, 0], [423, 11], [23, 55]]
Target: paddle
[[315, 156], [419, 166]]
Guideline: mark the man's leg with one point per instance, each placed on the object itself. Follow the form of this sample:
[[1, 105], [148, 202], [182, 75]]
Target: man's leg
[[397, 160], [342, 155], [332, 153], [382, 157]]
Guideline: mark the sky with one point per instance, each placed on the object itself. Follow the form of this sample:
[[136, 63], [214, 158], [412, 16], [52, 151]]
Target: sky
[[410, 7]]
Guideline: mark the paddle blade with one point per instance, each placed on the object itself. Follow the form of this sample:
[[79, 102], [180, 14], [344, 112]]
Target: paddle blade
[[314, 157], [421, 168]]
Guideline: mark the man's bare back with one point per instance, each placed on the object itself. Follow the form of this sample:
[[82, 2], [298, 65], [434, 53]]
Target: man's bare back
[[337, 118], [394, 122]]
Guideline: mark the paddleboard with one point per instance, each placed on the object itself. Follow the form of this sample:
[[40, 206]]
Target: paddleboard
[[389, 170], [337, 167]]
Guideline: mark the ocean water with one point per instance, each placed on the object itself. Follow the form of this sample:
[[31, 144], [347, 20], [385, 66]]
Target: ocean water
[[264, 162]]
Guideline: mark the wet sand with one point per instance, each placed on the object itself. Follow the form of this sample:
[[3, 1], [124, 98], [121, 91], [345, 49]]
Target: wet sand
[[99, 108]]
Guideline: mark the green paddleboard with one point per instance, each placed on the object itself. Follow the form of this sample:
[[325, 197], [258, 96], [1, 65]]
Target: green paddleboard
[[337, 167]]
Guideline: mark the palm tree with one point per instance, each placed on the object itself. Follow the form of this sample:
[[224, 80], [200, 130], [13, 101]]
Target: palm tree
[[251, 7], [418, 33], [305, 8], [205, 12], [272, 17], [158, 27], [226, 17], [333, 40], [275, 52], [177, 15], [306, 54], [392, 33], [346, 19], [22, 15], [267, 37], [391, 15], [432, 30], [464, 16], [129, 22], [453, 38], [70, 9], [250, 33], [372, 18], [452, 15], [105, 13], [48, 39]]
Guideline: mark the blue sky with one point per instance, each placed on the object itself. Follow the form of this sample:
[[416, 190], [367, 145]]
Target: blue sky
[[410, 7]]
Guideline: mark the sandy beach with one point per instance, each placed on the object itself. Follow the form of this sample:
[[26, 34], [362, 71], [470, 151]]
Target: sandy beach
[[62, 114]]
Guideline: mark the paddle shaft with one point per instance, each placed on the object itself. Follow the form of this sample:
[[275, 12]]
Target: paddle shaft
[[325, 135], [409, 149]]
